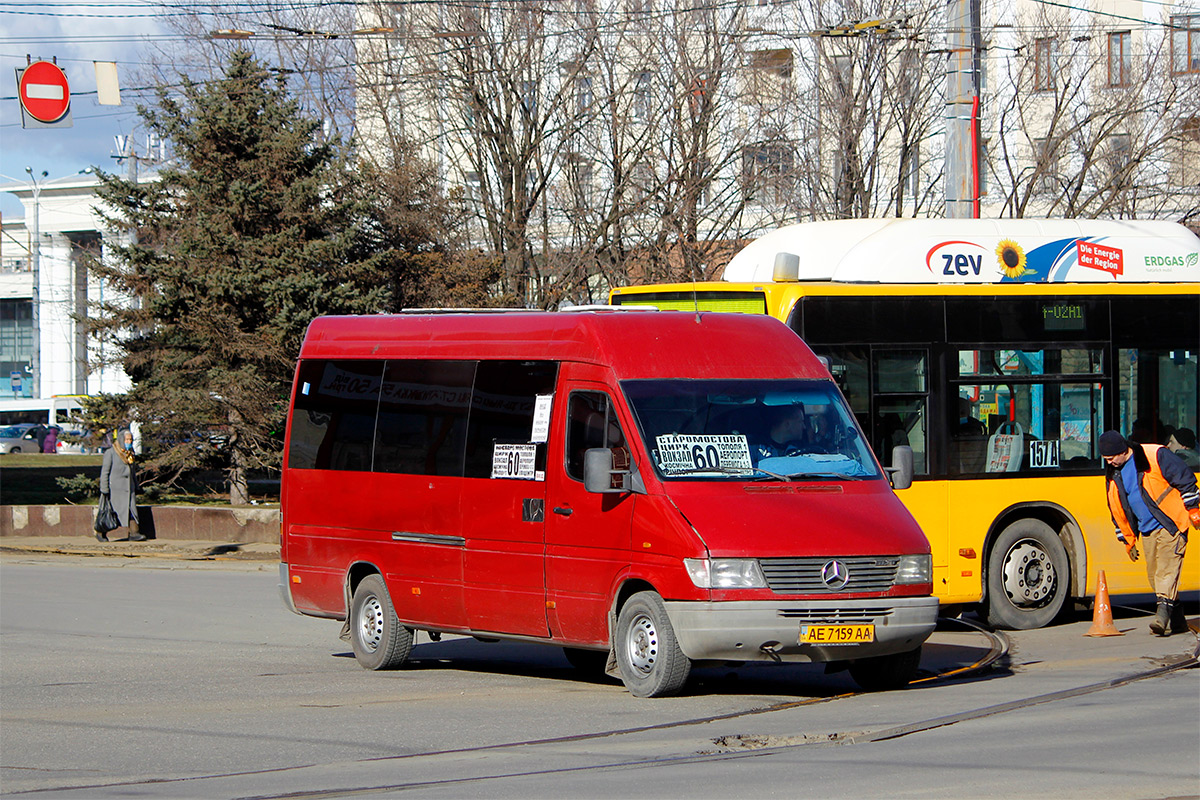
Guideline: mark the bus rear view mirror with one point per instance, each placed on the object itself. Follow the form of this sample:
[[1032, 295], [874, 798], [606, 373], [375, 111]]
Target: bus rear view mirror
[[607, 470], [901, 472]]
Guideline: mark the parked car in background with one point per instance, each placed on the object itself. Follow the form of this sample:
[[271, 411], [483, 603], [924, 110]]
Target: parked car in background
[[76, 441], [18, 438], [22, 438]]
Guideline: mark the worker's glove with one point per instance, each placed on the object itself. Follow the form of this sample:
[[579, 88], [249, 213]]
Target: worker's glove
[[1130, 546], [1194, 516]]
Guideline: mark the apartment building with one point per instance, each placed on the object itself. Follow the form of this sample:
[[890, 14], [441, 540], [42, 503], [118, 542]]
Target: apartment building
[[600, 140]]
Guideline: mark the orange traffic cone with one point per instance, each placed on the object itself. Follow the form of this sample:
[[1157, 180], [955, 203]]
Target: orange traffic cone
[[1102, 621]]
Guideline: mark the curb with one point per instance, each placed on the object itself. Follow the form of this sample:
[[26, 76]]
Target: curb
[[178, 550], [188, 523]]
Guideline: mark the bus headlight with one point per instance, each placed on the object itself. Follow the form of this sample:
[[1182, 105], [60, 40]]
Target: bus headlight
[[915, 569], [725, 573]]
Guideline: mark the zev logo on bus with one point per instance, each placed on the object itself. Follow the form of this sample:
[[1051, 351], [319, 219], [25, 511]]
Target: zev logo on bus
[[957, 262]]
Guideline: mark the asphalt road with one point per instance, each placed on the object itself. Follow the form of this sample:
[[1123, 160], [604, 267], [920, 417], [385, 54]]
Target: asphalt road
[[170, 679]]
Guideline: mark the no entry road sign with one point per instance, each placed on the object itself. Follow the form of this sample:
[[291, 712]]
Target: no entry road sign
[[44, 93]]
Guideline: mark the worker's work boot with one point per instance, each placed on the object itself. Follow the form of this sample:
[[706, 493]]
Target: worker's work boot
[[1161, 624], [1179, 623]]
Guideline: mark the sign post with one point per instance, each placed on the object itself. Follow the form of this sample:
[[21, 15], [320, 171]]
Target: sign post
[[45, 96]]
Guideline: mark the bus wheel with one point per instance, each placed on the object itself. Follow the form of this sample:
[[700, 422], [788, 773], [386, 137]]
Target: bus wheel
[[378, 638], [651, 663], [1028, 575], [886, 672]]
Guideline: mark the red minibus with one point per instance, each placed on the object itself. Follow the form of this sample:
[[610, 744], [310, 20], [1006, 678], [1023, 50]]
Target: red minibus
[[645, 489]]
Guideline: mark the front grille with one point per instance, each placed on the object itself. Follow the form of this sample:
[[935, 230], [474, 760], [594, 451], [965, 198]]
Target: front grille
[[803, 575], [838, 616]]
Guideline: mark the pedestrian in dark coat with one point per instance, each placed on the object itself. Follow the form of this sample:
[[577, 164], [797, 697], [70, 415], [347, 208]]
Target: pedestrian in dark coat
[[118, 480]]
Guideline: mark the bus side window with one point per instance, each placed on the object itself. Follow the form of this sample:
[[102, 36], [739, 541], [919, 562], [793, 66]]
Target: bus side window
[[502, 405], [333, 423]]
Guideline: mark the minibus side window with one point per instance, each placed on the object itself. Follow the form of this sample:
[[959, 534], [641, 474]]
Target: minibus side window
[[422, 428], [591, 422], [333, 422], [502, 406]]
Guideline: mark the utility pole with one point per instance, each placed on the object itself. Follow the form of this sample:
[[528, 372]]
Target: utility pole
[[35, 249], [962, 108]]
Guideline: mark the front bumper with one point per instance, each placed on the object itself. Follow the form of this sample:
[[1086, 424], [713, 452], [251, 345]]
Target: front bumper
[[766, 630]]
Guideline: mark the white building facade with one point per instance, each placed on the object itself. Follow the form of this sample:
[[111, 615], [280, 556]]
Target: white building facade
[[62, 227]]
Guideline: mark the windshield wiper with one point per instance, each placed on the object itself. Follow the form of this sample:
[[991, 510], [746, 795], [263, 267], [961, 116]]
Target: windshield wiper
[[737, 473], [840, 476]]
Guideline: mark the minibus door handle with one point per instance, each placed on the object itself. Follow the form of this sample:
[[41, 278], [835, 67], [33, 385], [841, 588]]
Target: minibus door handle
[[565, 511]]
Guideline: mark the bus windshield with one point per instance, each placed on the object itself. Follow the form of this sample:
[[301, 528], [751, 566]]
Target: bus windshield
[[739, 429]]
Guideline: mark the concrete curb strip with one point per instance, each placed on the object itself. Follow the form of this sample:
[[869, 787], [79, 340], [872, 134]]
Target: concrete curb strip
[[186, 523], [175, 549]]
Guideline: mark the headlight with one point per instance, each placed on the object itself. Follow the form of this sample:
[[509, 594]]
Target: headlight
[[725, 573], [915, 569]]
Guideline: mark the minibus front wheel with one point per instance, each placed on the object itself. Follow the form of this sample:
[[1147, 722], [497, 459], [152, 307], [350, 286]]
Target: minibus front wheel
[[648, 654], [378, 638]]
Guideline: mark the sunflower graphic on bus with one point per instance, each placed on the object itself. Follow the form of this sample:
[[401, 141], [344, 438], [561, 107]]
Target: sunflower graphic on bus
[[1011, 257]]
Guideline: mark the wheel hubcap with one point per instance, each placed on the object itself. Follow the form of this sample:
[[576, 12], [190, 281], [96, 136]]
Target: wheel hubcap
[[642, 644], [370, 624], [1029, 576]]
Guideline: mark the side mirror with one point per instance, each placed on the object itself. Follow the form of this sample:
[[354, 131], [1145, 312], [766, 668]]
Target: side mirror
[[608, 470], [901, 471]]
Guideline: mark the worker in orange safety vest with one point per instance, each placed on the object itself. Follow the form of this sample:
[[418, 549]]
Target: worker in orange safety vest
[[1152, 493]]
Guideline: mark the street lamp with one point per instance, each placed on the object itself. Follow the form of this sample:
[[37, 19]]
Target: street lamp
[[35, 250]]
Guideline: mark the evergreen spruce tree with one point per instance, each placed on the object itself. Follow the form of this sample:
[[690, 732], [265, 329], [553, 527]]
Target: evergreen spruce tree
[[246, 235]]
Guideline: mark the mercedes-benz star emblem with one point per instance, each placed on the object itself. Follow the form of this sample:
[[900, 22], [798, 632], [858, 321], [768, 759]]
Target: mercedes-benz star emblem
[[835, 575]]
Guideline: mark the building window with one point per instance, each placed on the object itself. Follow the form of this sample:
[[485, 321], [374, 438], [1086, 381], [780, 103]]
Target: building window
[[767, 173], [843, 75], [473, 186], [908, 80], [642, 97], [584, 95], [770, 75], [1045, 161], [529, 98], [1118, 58], [1188, 165], [1043, 65], [1120, 150], [1185, 43], [583, 185], [912, 171]]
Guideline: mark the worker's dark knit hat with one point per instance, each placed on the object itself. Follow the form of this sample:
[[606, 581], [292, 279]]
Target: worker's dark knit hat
[[1186, 437], [1112, 444]]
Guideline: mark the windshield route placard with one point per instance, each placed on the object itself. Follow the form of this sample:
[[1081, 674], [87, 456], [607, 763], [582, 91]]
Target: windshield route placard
[[680, 453]]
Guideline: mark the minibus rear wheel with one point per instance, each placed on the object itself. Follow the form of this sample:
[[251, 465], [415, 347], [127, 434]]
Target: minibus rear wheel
[[648, 654], [882, 673], [378, 638]]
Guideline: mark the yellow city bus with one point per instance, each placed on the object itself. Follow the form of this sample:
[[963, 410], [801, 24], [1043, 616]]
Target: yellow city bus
[[999, 351]]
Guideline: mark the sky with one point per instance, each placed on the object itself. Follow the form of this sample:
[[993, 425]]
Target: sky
[[76, 34]]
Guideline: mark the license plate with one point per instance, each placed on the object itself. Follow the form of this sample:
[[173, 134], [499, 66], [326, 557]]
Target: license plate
[[836, 634]]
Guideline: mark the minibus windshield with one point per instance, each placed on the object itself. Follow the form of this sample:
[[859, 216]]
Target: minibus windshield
[[749, 429]]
